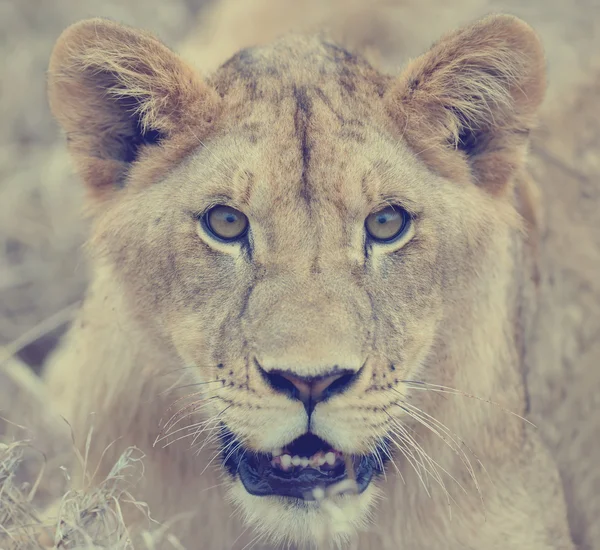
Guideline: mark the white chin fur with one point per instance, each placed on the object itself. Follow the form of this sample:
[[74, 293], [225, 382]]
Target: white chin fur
[[284, 521]]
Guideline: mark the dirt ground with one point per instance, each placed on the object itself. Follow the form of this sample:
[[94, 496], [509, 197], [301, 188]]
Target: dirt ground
[[42, 273]]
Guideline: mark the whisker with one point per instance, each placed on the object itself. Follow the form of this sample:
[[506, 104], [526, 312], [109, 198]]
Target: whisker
[[375, 451], [233, 449], [166, 373], [457, 449], [417, 459], [214, 419], [175, 418], [239, 537], [175, 388], [193, 426], [254, 541], [210, 437], [180, 438], [417, 415], [405, 452], [433, 462], [406, 438], [433, 474], [453, 391], [240, 460], [186, 407], [214, 486], [387, 453], [169, 430], [188, 410], [205, 394]]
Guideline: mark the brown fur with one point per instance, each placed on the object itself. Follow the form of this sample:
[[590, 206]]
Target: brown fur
[[308, 139], [137, 86], [474, 86]]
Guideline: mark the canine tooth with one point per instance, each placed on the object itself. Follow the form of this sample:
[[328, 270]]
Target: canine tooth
[[286, 461], [296, 460], [305, 462], [318, 459], [330, 458], [277, 452]]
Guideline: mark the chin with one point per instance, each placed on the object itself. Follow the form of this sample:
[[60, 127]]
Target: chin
[[306, 493], [285, 520]]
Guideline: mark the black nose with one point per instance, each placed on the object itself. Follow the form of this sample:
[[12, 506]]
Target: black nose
[[310, 390]]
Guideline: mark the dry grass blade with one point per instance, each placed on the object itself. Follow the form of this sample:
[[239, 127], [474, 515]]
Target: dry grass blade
[[19, 523], [85, 519]]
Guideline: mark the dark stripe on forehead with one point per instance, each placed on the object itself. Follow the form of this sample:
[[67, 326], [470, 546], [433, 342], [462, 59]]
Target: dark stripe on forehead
[[249, 187], [323, 97], [302, 117]]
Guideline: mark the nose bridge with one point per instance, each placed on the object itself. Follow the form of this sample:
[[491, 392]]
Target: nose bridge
[[306, 326], [303, 240]]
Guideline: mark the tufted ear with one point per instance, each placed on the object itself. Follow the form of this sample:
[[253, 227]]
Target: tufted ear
[[117, 92], [467, 105]]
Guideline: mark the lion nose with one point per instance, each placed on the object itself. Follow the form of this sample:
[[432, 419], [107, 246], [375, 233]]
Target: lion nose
[[310, 390]]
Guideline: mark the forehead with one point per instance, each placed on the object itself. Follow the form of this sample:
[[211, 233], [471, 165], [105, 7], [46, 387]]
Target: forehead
[[303, 121], [288, 153]]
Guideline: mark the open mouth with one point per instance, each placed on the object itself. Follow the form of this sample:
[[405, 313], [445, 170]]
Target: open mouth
[[306, 464]]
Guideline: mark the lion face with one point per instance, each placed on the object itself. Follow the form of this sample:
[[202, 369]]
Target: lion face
[[299, 249]]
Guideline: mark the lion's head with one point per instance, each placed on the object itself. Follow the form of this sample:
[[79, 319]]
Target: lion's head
[[309, 237]]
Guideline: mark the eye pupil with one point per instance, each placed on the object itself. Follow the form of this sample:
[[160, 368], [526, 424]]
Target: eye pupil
[[225, 223], [387, 225]]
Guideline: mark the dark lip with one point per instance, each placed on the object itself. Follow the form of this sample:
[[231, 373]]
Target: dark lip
[[260, 478]]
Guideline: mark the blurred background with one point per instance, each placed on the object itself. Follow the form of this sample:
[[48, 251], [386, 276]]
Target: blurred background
[[43, 271]]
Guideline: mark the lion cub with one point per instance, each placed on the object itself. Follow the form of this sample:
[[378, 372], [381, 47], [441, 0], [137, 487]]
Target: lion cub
[[307, 275]]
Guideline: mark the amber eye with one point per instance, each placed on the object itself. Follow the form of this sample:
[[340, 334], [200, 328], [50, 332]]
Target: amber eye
[[226, 223], [388, 224]]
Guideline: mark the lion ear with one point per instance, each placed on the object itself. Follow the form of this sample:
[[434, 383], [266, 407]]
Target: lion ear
[[116, 92], [475, 93]]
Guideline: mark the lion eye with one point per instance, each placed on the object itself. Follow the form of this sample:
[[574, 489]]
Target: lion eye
[[226, 223], [388, 224]]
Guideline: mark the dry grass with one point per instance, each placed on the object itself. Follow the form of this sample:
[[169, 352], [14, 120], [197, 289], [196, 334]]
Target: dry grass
[[88, 519]]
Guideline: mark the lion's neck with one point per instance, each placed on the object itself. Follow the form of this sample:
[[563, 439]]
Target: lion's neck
[[131, 397], [467, 410]]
